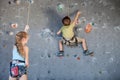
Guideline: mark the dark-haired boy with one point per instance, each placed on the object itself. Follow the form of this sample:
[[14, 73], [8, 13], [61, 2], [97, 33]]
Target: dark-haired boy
[[69, 36]]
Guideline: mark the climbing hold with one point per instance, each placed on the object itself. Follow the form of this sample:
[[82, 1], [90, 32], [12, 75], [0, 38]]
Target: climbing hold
[[78, 58], [60, 6], [15, 25], [75, 55], [100, 72], [1, 32], [49, 71], [73, 5], [17, 2], [67, 55], [88, 28], [31, 1], [42, 56], [4, 46], [49, 55], [9, 2], [10, 33], [81, 20]]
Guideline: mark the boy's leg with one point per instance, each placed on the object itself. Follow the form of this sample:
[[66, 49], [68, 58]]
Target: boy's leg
[[83, 41], [60, 45], [84, 45], [61, 51]]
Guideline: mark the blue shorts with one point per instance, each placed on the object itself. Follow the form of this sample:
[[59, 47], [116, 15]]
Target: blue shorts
[[22, 70]]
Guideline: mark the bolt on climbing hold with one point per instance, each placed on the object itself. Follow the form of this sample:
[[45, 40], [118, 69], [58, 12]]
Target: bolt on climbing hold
[[60, 6]]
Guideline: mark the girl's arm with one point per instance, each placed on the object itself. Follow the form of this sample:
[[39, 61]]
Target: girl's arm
[[76, 18], [26, 28], [26, 56]]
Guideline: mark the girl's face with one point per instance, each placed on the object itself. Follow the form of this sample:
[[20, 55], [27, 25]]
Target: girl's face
[[25, 40]]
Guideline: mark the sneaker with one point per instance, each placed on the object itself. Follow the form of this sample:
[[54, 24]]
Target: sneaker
[[87, 52], [60, 54]]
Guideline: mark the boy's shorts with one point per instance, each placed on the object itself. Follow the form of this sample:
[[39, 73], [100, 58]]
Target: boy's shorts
[[72, 41]]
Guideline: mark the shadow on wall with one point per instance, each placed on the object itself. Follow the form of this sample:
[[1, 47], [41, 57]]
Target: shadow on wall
[[116, 3], [54, 20]]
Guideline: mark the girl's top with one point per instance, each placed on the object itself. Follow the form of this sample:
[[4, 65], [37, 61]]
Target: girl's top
[[17, 56]]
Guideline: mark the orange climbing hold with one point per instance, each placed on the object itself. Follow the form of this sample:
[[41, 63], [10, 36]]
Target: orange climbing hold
[[88, 28]]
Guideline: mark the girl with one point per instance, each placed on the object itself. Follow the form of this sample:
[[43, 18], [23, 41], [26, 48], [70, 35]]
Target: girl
[[20, 54]]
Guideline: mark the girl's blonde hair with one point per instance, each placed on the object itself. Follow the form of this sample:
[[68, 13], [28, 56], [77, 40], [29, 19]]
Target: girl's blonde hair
[[19, 36]]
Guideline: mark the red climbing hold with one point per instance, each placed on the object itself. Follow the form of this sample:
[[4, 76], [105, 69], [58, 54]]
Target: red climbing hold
[[78, 58], [88, 28]]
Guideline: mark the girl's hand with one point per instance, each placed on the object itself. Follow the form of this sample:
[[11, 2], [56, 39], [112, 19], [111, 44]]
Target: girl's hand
[[27, 65], [27, 28]]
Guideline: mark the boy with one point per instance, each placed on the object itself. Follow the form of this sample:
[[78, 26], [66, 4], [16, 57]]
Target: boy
[[69, 36]]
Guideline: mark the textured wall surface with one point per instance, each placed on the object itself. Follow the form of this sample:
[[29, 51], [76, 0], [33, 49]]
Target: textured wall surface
[[45, 21]]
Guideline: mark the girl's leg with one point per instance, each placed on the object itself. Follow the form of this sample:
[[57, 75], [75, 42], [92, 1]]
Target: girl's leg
[[10, 78], [23, 77]]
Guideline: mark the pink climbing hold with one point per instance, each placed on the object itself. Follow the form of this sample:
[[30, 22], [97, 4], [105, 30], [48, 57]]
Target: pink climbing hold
[[15, 25]]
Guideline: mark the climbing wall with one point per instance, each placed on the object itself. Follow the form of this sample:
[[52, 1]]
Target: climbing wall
[[45, 21]]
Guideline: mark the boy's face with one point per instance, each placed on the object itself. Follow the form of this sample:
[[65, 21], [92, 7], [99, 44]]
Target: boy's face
[[67, 22]]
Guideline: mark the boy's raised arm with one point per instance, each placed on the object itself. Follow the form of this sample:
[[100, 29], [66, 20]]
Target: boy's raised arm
[[76, 17]]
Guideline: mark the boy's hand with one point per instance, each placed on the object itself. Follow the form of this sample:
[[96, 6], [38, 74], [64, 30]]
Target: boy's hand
[[78, 12], [76, 18], [58, 32]]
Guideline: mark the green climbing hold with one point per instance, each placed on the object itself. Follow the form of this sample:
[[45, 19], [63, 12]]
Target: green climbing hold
[[60, 7], [92, 23]]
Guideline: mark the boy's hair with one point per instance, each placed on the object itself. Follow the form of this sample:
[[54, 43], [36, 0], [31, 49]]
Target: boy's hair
[[19, 36], [66, 21]]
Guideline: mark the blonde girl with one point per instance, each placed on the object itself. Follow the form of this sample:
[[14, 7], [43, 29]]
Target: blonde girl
[[20, 54]]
